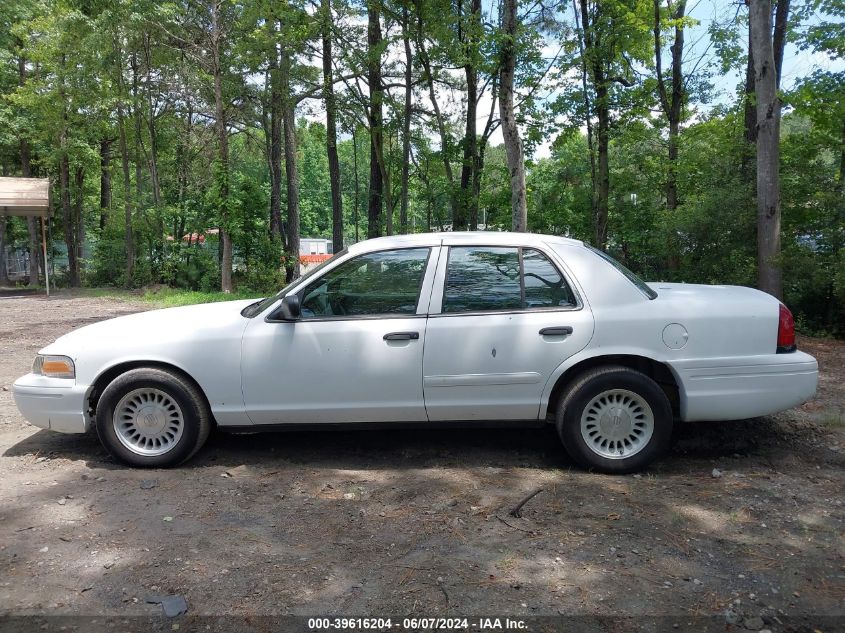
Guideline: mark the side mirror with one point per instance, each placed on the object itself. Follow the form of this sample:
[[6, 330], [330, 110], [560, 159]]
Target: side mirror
[[289, 310]]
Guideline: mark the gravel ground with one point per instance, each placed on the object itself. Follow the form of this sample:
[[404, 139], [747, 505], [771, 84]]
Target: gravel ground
[[743, 522]]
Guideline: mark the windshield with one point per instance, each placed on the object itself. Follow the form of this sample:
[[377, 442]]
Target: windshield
[[639, 283], [258, 307]]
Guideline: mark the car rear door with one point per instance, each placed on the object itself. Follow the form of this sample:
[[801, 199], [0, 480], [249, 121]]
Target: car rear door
[[502, 319], [356, 353]]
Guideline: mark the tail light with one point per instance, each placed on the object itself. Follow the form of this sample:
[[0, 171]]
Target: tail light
[[786, 331]]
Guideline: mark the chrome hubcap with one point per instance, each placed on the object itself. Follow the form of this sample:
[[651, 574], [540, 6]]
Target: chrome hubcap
[[617, 424], [148, 422]]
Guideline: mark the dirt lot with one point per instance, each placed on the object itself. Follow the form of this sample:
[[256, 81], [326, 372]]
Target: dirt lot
[[416, 522]]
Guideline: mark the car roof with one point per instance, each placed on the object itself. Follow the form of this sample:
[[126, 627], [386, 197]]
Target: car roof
[[486, 238]]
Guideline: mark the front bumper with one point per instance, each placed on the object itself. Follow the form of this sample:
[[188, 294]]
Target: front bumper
[[745, 387], [57, 404]]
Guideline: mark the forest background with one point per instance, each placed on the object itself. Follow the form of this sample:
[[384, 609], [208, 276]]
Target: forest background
[[193, 142]]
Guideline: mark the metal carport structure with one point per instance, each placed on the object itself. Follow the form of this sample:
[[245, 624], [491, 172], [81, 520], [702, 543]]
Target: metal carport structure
[[28, 197]]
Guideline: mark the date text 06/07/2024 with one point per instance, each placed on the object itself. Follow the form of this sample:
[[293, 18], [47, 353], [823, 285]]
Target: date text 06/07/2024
[[417, 624]]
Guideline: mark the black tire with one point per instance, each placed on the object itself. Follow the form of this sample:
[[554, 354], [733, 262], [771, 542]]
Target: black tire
[[195, 415], [581, 392]]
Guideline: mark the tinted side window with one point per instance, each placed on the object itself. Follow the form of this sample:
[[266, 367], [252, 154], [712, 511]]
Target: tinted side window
[[545, 287], [488, 278], [482, 278], [387, 282]]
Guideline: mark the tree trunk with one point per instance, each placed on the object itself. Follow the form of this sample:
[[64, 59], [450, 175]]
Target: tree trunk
[[481, 148], [35, 255], [406, 121], [601, 181], [128, 237], [105, 180], [275, 147], [470, 158], [151, 126], [779, 35], [64, 184], [67, 220], [375, 198], [78, 218], [674, 258], [156, 184], [750, 119], [4, 273], [357, 185], [581, 26], [671, 103], [769, 277], [476, 185], [750, 116], [387, 185], [222, 149], [602, 168], [458, 220], [510, 129], [136, 118], [467, 202], [331, 129], [291, 169]]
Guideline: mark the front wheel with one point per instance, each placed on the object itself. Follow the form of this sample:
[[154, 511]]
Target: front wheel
[[152, 418], [614, 420]]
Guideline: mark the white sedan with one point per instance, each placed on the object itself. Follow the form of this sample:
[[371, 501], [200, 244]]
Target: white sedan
[[438, 329]]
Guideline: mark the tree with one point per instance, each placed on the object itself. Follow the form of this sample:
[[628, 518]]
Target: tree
[[331, 126], [820, 95], [375, 116], [470, 35], [671, 101], [291, 168], [613, 36], [129, 236], [219, 67], [407, 115], [778, 45], [458, 220], [159, 123], [769, 277], [510, 128]]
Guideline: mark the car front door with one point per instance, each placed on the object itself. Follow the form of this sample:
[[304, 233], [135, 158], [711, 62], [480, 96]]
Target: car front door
[[355, 354], [502, 319]]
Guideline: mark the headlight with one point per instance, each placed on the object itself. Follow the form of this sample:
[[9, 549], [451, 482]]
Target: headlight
[[54, 366]]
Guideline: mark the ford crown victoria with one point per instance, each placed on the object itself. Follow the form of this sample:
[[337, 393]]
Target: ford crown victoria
[[444, 329]]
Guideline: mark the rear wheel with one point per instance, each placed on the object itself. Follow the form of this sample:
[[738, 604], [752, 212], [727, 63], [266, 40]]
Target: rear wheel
[[152, 418], [614, 420]]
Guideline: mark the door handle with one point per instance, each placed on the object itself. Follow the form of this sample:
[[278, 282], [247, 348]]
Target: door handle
[[565, 330], [402, 336]]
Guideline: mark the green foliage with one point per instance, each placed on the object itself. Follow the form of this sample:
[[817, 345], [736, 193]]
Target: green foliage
[[314, 180], [137, 77], [163, 297], [559, 189], [109, 257]]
